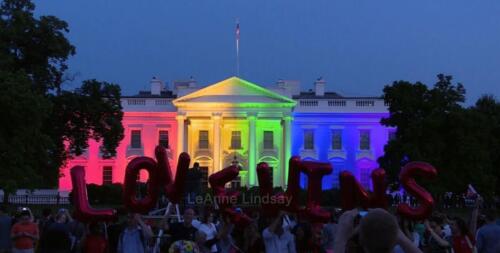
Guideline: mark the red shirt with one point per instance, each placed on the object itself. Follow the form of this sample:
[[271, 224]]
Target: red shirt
[[95, 244], [460, 244], [24, 242]]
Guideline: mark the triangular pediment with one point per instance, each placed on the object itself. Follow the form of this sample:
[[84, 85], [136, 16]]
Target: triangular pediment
[[234, 92]]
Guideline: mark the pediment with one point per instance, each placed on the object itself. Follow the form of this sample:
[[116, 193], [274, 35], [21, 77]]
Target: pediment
[[234, 92]]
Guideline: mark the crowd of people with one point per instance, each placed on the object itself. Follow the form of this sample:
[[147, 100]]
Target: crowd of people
[[205, 230]]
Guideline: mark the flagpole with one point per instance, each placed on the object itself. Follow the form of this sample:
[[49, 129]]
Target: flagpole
[[237, 47]]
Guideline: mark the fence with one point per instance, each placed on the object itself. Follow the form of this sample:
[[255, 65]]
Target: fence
[[36, 197]]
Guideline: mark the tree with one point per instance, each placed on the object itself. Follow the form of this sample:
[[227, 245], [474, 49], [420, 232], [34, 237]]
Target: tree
[[433, 126], [46, 124]]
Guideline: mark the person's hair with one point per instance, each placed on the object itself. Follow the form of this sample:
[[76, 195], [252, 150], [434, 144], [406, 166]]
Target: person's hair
[[196, 164], [24, 213], [378, 231], [3, 209], [59, 215], [462, 226], [189, 208], [205, 215], [490, 214], [437, 219], [46, 212]]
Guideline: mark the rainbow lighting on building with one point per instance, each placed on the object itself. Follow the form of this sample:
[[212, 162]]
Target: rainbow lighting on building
[[238, 121]]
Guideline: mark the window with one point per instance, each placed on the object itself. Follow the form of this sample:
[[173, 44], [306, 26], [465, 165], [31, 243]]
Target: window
[[107, 175], [392, 135], [337, 139], [365, 177], [364, 140], [309, 140], [163, 138], [268, 140], [203, 139], [235, 139], [136, 139]]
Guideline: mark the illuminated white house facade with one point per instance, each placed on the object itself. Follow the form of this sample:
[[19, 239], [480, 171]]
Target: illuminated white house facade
[[238, 120]]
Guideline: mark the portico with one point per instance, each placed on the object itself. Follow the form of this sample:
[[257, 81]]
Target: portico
[[236, 119]]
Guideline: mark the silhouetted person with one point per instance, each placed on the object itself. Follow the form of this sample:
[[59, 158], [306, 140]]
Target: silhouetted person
[[193, 182]]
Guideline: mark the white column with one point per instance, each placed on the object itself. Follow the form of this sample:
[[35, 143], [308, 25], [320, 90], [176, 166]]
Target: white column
[[180, 134], [216, 119], [252, 151], [287, 148]]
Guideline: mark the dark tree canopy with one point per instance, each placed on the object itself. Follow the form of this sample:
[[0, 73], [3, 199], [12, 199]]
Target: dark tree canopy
[[434, 126], [46, 124]]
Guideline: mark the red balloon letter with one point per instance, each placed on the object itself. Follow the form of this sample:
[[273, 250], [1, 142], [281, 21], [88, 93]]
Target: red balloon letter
[[175, 190], [129, 194], [83, 211], [406, 177], [217, 181], [353, 193], [315, 172]]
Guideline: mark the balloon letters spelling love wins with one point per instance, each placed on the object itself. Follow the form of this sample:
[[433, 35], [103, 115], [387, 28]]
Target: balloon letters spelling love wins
[[83, 211], [407, 179], [218, 181], [174, 190], [352, 193], [129, 194]]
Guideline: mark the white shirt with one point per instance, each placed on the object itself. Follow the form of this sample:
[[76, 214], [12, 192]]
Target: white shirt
[[274, 243], [209, 230]]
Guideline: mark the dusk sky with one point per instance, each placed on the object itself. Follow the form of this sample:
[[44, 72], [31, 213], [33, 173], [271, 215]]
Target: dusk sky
[[357, 46]]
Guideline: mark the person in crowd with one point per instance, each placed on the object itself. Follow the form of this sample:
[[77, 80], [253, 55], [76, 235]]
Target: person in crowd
[[462, 239], [46, 219], [193, 182], [437, 241], [208, 228], [5, 227], [135, 236], [57, 237], [377, 232], [226, 243], [24, 233], [95, 242], [201, 240], [303, 237], [328, 234], [252, 242], [183, 230], [77, 232], [277, 239], [488, 236], [408, 229]]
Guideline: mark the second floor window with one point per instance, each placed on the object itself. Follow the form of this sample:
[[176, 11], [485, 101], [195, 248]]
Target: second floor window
[[364, 140], [268, 140], [107, 175], [309, 140], [235, 139], [203, 139], [135, 141], [163, 138], [337, 139]]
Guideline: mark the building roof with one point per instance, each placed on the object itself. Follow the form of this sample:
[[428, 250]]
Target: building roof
[[147, 94], [235, 92], [328, 95]]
